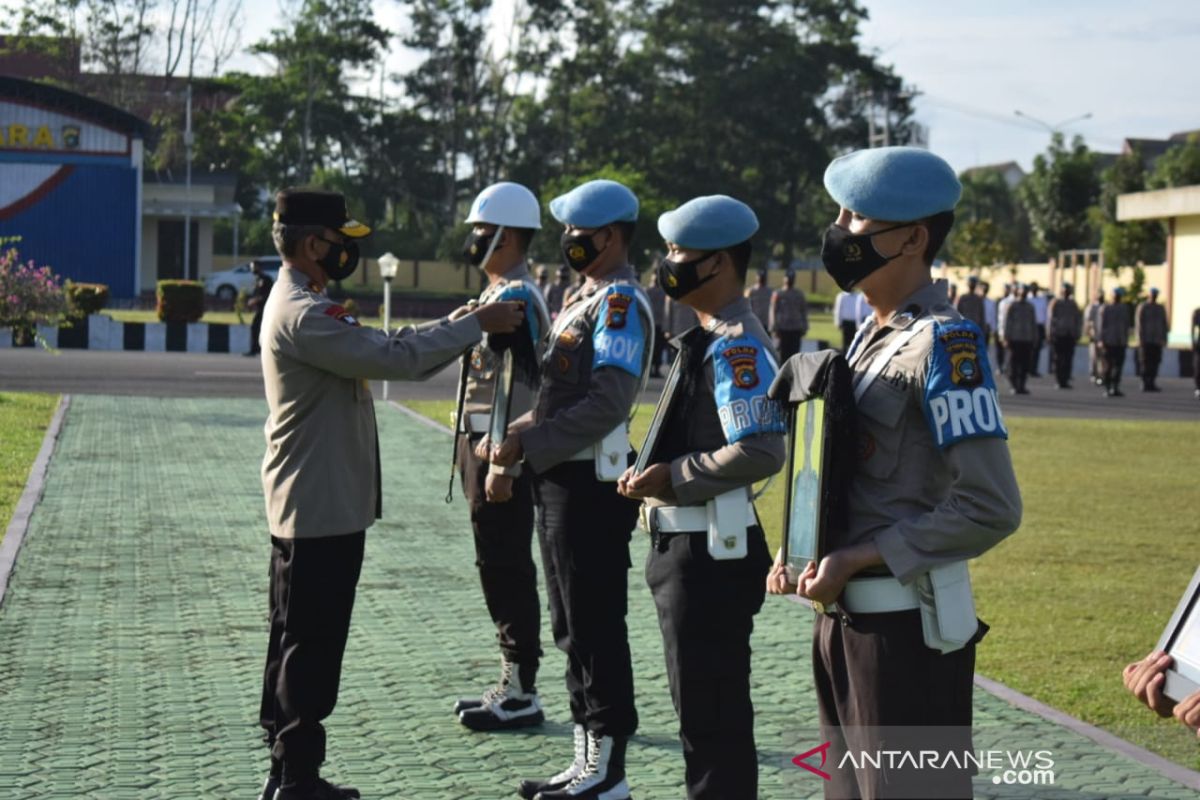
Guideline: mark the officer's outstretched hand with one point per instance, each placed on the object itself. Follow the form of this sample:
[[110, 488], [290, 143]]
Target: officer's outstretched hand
[[777, 578], [508, 452], [653, 481], [502, 317], [1188, 712], [498, 488], [1145, 679], [483, 450]]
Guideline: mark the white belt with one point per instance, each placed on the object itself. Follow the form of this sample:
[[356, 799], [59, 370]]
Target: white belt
[[879, 596], [682, 519]]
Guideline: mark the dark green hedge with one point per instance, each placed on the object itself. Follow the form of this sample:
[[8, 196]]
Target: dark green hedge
[[180, 301]]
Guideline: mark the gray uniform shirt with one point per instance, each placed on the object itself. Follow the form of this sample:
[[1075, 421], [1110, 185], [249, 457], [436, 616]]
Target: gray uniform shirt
[[1065, 319], [711, 465], [970, 305], [679, 317], [1091, 321], [484, 363], [577, 405], [760, 303], [1152, 323], [922, 506], [1112, 325], [321, 467], [789, 311], [658, 304], [1020, 322]]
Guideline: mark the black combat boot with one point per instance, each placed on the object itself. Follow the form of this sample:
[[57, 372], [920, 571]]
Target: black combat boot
[[529, 788], [507, 705], [316, 789], [602, 778]]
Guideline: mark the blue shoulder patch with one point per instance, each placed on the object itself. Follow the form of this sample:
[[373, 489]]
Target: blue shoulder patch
[[743, 370], [520, 293], [960, 394], [618, 338]]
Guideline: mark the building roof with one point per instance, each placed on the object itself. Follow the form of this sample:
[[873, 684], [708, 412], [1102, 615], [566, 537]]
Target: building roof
[[56, 99], [1181, 201]]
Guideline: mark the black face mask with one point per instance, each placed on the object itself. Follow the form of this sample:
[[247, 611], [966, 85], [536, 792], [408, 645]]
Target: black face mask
[[849, 257], [580, 252], [340, 261], [476, 246], [678, 279]]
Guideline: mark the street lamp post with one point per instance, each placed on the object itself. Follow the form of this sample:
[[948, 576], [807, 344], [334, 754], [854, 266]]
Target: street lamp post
[[388, 264]]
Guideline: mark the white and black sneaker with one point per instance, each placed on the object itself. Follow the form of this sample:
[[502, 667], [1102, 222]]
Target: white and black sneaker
[[506, 670], [529, 788], [603, 776], [505, 706]]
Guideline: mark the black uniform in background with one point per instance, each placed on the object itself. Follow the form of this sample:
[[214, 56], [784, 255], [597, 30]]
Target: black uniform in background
[[258, 300]]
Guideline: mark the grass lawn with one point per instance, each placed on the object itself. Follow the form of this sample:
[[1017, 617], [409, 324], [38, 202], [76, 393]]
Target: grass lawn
[[23, 422], [1108, 543]]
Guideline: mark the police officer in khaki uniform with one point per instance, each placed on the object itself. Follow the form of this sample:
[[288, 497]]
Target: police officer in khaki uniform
[[1152, 327], [1112, 332], [934, 487], [504, 216], [321, 472], [718, 435], [759, 296], [576, 441], [1063, 327], [788, 317], [970, 304]]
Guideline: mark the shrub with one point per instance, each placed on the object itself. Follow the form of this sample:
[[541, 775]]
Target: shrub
[[86, 298], [180, 301], [29, 295]]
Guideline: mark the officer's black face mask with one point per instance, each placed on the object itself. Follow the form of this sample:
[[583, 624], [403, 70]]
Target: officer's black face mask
[[848, 257], [340, 260], [678, 279], [475, 248], [579, 251]]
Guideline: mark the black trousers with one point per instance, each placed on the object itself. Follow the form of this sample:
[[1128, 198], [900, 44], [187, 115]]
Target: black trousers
[[1196, 368], [1035, 355], [873, 673], [1019, 359], [787, 343], [584, 529], [1000, 353], [1114, 365], [849, 329], [660, 347], [256, 326], [706, 614], [313, 583], [1151, 360], [1064, 359], [503, 541]]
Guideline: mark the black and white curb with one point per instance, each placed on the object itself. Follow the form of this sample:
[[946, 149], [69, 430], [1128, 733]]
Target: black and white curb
[[102, 332]]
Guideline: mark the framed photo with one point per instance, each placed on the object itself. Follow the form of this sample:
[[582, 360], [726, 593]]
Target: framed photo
[[1181, 641], [804, 534], [502, 400]]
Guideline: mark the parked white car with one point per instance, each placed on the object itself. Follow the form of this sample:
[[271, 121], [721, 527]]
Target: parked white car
[[226, 285]]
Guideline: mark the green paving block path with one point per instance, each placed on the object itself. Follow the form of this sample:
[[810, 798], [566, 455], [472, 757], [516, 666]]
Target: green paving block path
[[132, 638]]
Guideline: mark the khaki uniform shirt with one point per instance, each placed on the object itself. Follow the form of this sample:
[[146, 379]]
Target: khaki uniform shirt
[[729, 435], [582, 398], [484, 363], [1020, 322], [1065, 319], [1152, 323], [320, 473], [789, 311], [926, 502], [1112, 325], [760, 303]]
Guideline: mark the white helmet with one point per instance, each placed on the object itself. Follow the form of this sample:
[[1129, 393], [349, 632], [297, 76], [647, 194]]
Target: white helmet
[[507, 204]]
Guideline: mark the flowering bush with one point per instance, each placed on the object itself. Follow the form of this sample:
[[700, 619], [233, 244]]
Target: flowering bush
[[29, 295]]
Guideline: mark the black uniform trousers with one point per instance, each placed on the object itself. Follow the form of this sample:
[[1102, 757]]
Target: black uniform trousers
[[1000, 353], [1151, 360], [1064, 359], [1019, 359], [849, 329], [584, 530], [706, 614], [873, 673], [313, 583], [256, 326], [1035, 353], [787, 343], [503, 541], [1114, 365]]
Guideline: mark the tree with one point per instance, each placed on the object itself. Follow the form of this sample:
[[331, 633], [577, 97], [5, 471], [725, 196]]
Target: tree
[[1126, 243], [1179, 166], [1058, 194], [990, 225]]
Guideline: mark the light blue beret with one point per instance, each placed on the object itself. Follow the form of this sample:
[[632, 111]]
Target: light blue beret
[[893, 184], [708, 223], [594, 204]]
